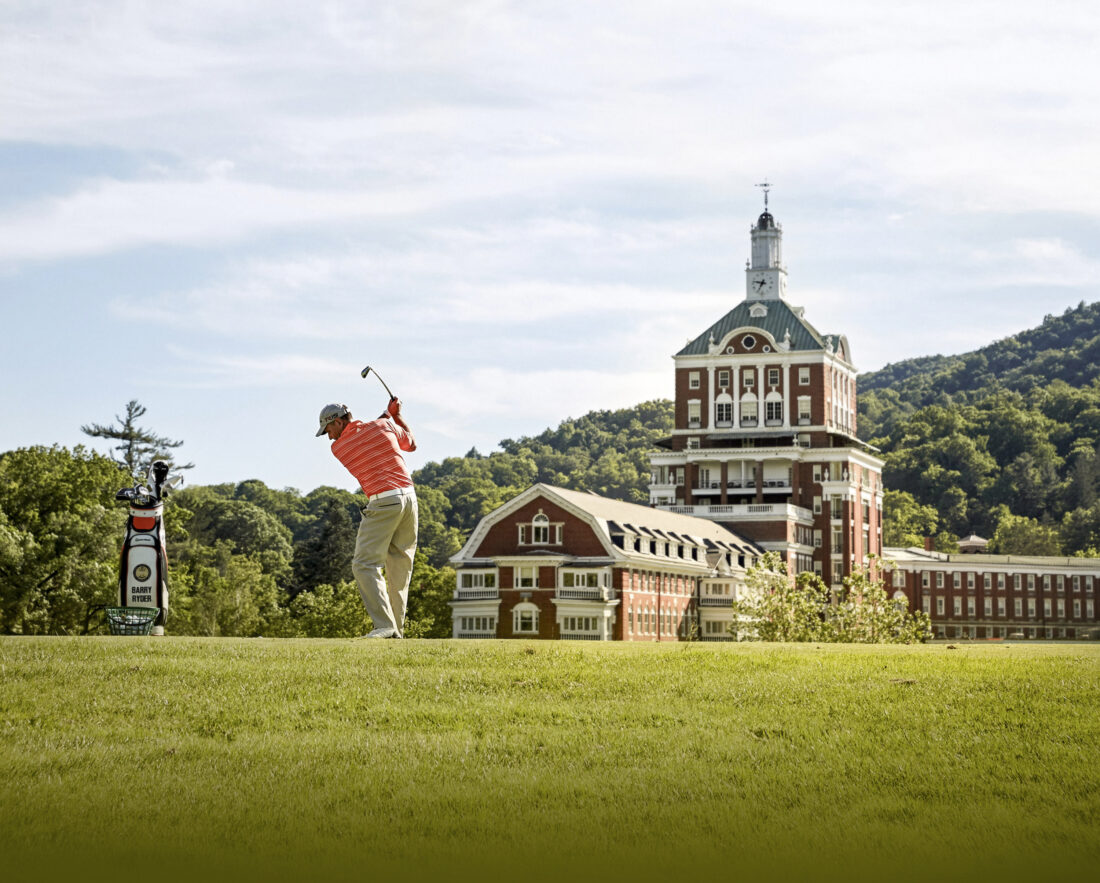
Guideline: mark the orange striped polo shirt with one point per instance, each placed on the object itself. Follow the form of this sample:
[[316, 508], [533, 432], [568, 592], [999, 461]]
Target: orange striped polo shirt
[[371, 452]]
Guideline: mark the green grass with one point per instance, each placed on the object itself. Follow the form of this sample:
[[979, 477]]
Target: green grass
[[201, 759]]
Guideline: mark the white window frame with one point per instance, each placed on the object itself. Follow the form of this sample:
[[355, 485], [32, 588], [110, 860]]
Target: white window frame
[[525, 619], [583, 578], [477, 579]]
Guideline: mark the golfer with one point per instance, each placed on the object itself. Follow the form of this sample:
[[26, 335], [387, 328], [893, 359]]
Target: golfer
[[371, 451]]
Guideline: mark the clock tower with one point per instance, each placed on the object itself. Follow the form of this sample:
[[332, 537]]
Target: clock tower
[[765, 275], [764, 440]]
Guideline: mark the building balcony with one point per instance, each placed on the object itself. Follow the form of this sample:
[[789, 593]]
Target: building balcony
[[773, 422], [713, 601], [585, 594], [748, 511], [723, 424], [662, 486], [476, 594], [749, 422]]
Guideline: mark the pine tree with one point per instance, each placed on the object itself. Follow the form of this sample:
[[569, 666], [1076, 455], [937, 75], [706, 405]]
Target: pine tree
[[138, 447]]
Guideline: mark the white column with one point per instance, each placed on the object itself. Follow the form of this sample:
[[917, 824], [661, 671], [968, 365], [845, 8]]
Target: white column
[[787, 396], [761, 396], [710, 394], [735, 391]]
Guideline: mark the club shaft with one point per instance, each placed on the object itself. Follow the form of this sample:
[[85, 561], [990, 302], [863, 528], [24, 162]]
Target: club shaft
[[369, 370]]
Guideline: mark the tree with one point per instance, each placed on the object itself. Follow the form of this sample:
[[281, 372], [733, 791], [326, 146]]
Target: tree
[[1019, 535], [60, 531], [866, 614], [325, 556], [776, 608], [218, 592], [330, 612], [138, 447], [251, 530], [906, 522], [430, 591]]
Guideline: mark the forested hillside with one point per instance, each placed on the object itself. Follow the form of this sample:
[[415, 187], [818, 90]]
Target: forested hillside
[[1001, 441], [1065, 348]]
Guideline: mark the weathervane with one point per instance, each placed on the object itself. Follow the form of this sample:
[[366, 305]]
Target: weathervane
[[766, 187]]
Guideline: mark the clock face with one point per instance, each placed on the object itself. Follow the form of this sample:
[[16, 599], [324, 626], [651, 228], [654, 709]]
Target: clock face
[[762, 283]]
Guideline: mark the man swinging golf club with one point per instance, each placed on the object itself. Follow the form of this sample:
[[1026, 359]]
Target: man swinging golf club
[[371, 452]]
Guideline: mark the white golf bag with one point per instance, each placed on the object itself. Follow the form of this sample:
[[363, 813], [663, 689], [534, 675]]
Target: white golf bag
[[143, 568]]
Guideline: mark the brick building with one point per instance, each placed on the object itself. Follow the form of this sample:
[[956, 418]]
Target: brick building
[[765, 429], [559, 564], [997, 596]]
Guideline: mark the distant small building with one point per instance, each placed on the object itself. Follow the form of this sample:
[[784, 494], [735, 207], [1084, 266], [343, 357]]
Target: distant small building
[[554, 563], [973, 545]]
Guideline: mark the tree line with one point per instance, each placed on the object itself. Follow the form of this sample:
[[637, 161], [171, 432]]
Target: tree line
[[246, 559]]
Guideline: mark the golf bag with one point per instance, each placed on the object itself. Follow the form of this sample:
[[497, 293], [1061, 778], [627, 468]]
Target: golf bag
[[143, 568]]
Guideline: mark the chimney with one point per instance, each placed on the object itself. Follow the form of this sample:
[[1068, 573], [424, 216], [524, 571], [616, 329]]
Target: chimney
[[928, 544]]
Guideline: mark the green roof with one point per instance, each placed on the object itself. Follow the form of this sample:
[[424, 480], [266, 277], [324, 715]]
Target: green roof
[[780, 320]]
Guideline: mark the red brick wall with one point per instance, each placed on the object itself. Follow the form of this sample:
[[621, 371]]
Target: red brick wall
[[541, 598], [577, 537]]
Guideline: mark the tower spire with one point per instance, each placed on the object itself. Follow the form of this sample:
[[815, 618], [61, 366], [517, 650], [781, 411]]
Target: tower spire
[[766, 186]]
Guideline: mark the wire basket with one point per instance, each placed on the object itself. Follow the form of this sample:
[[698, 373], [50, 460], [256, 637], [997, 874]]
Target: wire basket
[[131, 620]]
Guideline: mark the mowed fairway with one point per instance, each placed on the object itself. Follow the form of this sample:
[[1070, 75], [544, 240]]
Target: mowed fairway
[[205, 759]]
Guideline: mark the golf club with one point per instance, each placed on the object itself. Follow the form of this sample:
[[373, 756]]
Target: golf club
[[366, 371]]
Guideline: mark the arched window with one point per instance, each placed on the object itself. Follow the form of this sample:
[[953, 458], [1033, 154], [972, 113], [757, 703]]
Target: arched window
[[773, 405], [748, 410], [540, 529], [723, 409], [525, 618]]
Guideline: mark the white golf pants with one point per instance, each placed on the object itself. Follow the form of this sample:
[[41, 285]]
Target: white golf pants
[[387, 538]]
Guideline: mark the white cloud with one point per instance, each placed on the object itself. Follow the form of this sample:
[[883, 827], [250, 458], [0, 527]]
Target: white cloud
[[1044, 261], [522, 210]]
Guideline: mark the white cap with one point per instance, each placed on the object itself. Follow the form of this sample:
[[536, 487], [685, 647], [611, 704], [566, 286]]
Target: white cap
[[330, 413]]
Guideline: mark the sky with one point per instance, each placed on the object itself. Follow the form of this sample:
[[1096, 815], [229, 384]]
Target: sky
[[515, 212]]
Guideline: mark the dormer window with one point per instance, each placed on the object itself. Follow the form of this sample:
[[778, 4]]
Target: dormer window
[[540, 531]]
